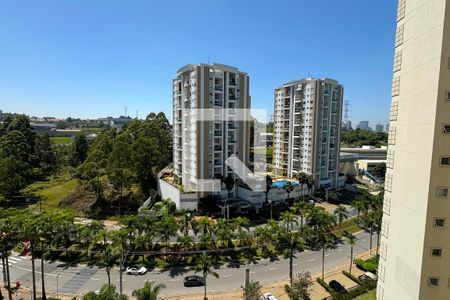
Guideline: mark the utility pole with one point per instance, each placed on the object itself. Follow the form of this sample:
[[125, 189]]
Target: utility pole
[[121, 268]]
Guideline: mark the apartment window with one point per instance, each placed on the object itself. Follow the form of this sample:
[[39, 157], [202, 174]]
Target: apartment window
[[438, 222], [387, 205], [442, 192], [396, 86], [385, 227], [399, 35], [447, 95], [394, 111], [390, 159], [445, 161], [392, 135], [433, 281], [401, 10], [448, 63], [436, 252], [446, 128], [398, 61]]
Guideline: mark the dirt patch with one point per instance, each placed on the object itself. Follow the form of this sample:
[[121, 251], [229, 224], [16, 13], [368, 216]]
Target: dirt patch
[[80, 199]]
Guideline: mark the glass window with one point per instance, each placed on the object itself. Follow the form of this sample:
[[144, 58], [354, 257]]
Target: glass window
[[445, 160], [446, 128], [439, 222], [442, 192], [436, 252], [433, 281]]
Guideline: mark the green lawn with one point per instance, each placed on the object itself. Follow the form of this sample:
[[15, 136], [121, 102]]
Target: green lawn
[[52, 191], [349, 226], [260, 150], [61, 140], [371, 295]]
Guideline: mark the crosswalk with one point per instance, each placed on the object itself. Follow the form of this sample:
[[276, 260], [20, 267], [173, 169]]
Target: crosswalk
[[14, 259]]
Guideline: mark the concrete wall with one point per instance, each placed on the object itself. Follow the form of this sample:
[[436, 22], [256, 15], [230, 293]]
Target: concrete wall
[[182, 200]]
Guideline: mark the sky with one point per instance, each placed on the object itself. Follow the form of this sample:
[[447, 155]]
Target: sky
[[92, 59]]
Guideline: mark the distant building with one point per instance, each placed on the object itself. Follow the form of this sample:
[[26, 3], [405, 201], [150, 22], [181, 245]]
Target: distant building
[[379, 128], [387, 128], [363, 125], [43, 128], [117, 123], [308, 116], [263, 139]]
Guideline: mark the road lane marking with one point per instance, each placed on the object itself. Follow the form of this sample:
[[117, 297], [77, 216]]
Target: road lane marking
[[294, 265], [14, 259], [226, 276], [272, 269], [174, 279], [95, 279], [252, 272], [328, 254], [312, 259], [342, 249]]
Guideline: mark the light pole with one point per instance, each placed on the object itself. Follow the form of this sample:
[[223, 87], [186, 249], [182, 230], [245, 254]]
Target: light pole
[[57, 284], [270, 202]]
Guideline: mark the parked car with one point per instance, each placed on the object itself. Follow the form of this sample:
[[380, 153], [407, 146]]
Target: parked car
[[134, 270], [269, 296], [368, 276], [337, 286], [193, 280]]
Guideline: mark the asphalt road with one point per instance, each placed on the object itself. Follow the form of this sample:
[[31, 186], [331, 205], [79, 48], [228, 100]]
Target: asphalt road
[[81, 279]]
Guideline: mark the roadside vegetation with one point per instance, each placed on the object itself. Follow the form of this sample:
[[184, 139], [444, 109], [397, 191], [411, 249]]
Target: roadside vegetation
[[357, 138]]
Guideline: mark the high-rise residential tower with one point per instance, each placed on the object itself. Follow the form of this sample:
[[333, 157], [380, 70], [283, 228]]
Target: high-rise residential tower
[[415, 240], [307, 123], [201, 147]]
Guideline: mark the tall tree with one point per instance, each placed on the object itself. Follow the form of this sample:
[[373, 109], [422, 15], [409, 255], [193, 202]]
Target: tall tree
[[150, 291], [299, 289], [145, 158], [252, 291], [351, 241], [79, 149], [108, 259], [341, 214], [205, 265]]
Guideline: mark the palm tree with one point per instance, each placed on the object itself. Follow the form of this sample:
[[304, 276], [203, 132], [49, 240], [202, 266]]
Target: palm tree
[[291, 242], [341, 213], [205, 266], [301, 208], [325, 242], [358, 204], [186, 223], [108, 259], [302, 179], [242, 225], [224, 233], [30, 234], [351, 241], [311, 183], [289, 219], [106, 292], [6, 236], [120, 239], [288, 188], [369, 222], [149, 291], [45, 233]]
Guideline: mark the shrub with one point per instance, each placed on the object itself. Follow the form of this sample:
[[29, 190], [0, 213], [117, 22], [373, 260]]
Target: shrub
[[327, 287], [370, 265], [353, 277]]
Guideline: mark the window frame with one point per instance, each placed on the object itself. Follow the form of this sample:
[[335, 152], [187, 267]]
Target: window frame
[[442, 158], [429, 281], [441, 188], [439, 251], [437, 226]]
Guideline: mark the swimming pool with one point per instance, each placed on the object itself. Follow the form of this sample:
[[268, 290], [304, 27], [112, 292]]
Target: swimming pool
[[280, 184]]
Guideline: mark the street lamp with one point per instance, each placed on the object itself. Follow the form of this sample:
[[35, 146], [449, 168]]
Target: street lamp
[[57, 284]]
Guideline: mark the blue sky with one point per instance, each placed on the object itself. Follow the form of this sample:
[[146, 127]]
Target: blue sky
[[89, 58]]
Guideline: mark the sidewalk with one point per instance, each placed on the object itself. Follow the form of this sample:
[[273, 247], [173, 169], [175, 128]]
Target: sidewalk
[[277, 288]]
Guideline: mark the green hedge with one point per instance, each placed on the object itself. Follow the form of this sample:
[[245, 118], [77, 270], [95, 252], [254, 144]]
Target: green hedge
[[353, 277], [370, 265], [327, 287]]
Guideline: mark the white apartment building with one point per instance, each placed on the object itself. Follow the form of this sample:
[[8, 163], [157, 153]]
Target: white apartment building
[[307, 123], [415, 235], [201, 148]]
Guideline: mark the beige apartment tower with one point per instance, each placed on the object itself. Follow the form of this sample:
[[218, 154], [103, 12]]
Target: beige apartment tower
[[307, 123], [201, 148], [415, 240]]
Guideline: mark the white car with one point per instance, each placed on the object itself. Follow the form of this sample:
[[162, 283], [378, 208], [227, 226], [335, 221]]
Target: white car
[[269, 296], [136, 270]]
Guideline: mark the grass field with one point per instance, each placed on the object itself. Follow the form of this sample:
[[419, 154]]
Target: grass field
[[61, 140], [52, 191], [347, 226], [260, 150], [371, 295]]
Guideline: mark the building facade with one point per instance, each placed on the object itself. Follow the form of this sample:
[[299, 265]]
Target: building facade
[[201, 148], [379, 128], [363, 125], [307, 123], [415, 235]]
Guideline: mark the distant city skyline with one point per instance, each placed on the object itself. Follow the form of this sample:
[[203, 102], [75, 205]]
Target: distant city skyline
[[90, 59]]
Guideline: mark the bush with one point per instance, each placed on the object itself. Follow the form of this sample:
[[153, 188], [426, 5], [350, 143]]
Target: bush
[[370, 265], [327, 287], [353, 277]]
